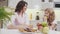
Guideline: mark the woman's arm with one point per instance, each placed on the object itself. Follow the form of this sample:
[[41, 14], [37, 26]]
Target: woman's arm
[[13, 23], [11, 26]]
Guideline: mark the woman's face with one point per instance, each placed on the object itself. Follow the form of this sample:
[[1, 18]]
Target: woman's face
[[24, 8]]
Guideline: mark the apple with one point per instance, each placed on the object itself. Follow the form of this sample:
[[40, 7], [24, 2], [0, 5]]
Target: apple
[[44, 24], [39, 26], [45, 30]]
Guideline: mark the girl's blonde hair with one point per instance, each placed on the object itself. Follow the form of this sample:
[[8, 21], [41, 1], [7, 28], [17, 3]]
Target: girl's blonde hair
[[51, 16]]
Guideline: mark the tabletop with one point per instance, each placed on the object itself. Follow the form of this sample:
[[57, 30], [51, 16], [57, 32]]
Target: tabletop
[[15, 31]]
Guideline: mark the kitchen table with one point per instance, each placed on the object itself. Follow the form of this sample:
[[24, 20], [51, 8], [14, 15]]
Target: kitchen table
[[15, 31]]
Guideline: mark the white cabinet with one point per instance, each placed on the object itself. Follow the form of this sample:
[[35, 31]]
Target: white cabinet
[[56, 0], [41, 4], [47, 5], [48, 0], [32, 4]]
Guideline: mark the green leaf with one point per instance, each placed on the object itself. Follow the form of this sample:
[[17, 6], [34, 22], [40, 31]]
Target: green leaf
[[4, 14]]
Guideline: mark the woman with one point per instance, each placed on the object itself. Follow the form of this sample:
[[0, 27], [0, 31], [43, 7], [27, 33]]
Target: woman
[[49, 13], [20, 18]]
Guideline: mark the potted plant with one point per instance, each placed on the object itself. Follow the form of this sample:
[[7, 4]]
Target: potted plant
[[4, 15]]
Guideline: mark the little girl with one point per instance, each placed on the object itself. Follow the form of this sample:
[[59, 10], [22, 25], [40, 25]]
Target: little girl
[[49, 13]]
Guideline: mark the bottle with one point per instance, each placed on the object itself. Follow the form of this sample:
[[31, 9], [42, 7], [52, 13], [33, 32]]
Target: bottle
[[31, 16], [45, 19], [37, 16]]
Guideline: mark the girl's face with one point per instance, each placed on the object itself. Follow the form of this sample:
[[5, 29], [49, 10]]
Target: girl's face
[[47, 13], [24, 8]]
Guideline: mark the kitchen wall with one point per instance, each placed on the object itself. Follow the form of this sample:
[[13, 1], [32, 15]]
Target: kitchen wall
[[57, 13], [12, 3], [33, 3], [33, 11]]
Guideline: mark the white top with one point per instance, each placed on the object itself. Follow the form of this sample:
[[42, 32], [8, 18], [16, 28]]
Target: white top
[[18, 19]]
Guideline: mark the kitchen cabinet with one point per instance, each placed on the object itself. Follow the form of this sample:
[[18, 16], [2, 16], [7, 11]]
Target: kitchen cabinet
[[33, 4], [45, 5], [42, 4]]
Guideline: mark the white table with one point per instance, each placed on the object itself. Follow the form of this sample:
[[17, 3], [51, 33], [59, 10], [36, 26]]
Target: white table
[[14, 31]]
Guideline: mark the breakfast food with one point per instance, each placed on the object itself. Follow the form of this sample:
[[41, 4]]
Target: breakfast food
[[21, 30], [44, 24], [43, 27], [45, 30], [39, 26], [34, 29], [27, 30]]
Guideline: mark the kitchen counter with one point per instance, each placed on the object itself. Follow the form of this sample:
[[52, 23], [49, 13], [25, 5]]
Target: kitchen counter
[[15, 31]]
